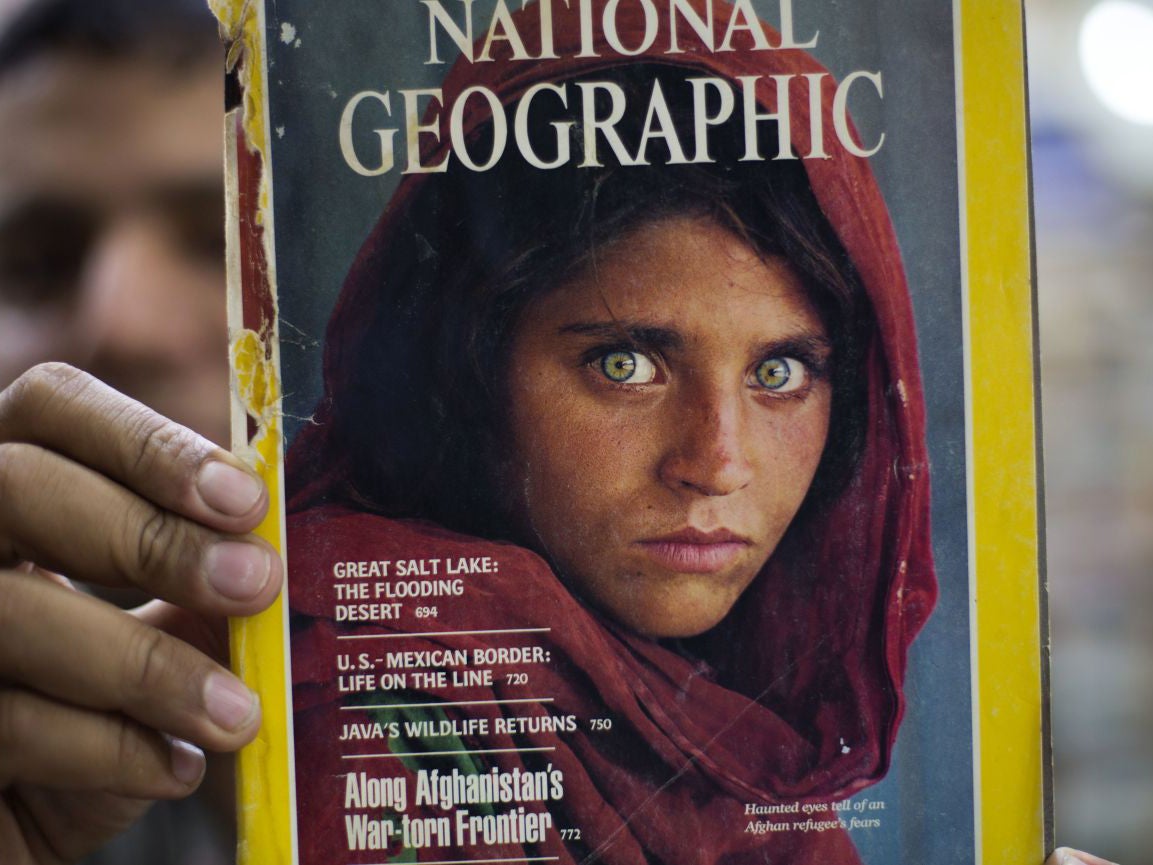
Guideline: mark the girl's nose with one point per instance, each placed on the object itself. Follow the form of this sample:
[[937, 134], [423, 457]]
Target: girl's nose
[[709, 445]]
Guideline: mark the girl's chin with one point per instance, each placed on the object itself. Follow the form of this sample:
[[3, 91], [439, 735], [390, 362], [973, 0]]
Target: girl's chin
[[673, 618]]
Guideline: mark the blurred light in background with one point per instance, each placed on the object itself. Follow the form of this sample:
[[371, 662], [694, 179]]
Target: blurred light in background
[[1115, 46], [1091, 95]]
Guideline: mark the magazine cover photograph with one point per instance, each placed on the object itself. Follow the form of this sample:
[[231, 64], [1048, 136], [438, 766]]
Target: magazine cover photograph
[[627, 484]]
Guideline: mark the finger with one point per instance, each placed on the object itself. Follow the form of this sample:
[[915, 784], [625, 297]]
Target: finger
[[206, 634], [1069, 856], [46, 825], [77, 650], [68, 411], [47, 743], [69, 518], [27, 567]]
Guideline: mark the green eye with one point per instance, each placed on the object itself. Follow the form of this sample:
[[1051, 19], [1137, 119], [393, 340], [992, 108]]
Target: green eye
[[627, 366], [776, 373], [619, 365]]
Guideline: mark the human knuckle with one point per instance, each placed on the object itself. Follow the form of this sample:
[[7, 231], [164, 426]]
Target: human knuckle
[[12, 607], [10, 454], [159, 443], [17, 461], [130, 751], [46, 380], [156, 544], [148, 662], [17, 725], [30, 395]]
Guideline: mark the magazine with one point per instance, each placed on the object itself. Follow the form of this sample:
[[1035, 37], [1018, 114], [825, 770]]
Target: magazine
[[645, 388]]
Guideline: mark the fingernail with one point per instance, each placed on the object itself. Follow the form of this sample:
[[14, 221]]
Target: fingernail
[[228, 489], [237, 570], [229, 704], [187, 762]]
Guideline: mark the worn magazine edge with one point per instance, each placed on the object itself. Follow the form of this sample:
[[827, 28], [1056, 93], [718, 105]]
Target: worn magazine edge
[[264, 787], [1012, 756], [1049, 827]]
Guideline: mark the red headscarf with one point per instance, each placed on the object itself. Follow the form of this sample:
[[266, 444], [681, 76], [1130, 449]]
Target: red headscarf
[[817, 644]]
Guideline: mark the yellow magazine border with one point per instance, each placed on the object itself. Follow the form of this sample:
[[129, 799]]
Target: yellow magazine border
[[1010, 653]]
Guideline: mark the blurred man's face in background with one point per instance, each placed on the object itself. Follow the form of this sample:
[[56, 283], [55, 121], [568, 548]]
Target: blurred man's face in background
[[111, 227]]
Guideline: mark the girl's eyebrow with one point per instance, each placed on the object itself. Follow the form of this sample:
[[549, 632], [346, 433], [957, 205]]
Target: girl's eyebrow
[[649, 336], [805, 344]]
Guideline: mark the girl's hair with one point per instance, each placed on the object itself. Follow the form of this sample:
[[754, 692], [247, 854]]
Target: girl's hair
[[425, 413]]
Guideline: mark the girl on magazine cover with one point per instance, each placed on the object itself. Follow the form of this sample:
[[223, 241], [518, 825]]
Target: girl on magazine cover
[[672, 415]]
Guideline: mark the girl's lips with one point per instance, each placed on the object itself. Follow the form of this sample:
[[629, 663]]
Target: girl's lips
[[692, 551]]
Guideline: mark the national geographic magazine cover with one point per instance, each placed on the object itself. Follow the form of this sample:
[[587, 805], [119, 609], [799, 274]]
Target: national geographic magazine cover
[[646, 390]]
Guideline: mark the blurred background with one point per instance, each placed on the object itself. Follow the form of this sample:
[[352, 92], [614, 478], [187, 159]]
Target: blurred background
[[1091, 81]]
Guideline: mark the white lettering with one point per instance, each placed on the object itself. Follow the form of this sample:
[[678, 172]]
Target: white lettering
[[387, 136], [841, 112]]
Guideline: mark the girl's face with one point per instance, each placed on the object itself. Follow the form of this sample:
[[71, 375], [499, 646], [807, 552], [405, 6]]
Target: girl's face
[[668, 409]]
